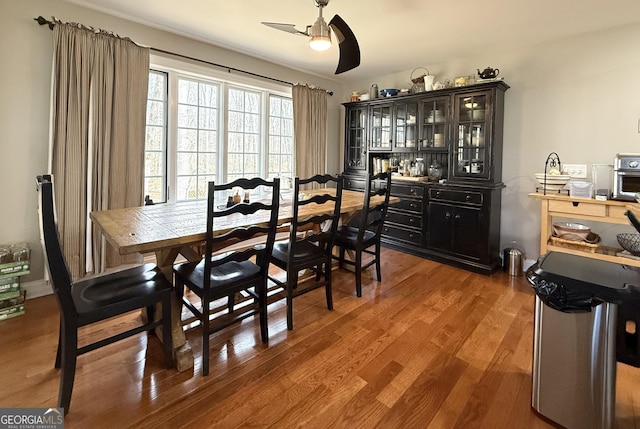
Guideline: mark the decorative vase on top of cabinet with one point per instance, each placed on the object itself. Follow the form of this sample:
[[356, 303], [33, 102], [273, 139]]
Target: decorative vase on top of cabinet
[[461, 130]]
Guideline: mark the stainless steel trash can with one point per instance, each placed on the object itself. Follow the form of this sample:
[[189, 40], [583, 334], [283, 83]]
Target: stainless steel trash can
[[574, 356], [513, 261], [574, 366]]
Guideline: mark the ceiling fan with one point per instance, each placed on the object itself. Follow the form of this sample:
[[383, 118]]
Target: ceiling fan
[[320, 34]]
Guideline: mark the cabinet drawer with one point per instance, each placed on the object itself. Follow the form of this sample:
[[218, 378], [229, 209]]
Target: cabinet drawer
[[411, 236], [408, 204], [583, 208], [414, 221], [456, 196], [408, 190], [618, 213], [354, 184]]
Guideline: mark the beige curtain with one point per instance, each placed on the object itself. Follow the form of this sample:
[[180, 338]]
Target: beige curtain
[[310, 130], [97, 136]]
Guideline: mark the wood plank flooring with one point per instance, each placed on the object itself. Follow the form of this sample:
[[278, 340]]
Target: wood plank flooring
[[431, 346]]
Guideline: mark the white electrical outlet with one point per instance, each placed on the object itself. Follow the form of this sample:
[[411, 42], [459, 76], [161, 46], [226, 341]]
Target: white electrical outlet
[[576, 171]]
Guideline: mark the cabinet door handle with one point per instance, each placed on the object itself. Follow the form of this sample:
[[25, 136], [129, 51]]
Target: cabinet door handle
[[457, 217], [447, 215], [411, 220], [468, 197], [413, 206], [437, 193]]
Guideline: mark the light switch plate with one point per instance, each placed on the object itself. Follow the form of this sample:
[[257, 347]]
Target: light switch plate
[[576, 171]]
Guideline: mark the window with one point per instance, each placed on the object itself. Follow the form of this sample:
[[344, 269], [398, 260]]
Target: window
[[203, 127], [155, 165]]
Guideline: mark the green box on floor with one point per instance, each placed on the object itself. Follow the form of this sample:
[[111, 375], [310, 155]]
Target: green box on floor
[[9, 284], [12, 269], [13, 307]]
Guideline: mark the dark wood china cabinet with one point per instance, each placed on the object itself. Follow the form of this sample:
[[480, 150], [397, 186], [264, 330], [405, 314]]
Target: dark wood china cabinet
[[454, 216]]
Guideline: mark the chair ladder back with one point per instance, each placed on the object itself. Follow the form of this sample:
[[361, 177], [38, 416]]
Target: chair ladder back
[[263, 227], [312, 224], [373, 215], [60, 277]]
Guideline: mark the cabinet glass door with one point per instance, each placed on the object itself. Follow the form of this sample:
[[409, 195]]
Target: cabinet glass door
[[471, 154], [356, 150], [434, 125], [380, 130], [405, 126]]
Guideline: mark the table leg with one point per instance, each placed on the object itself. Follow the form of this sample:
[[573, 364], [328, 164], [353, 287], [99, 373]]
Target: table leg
[[182, 352]]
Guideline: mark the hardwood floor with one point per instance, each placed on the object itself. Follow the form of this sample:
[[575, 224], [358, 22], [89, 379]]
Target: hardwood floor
[[430, 346]]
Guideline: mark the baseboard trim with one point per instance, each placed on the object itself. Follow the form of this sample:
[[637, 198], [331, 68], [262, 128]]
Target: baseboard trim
[[36, 288]]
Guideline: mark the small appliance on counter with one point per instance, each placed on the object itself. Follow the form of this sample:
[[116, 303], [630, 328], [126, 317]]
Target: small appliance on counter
[[626, 176]]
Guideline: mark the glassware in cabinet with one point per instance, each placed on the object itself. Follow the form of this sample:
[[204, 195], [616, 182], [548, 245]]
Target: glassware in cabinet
[[434, 124], [380, 129], [356, 143], [471, 154], [405, 129]]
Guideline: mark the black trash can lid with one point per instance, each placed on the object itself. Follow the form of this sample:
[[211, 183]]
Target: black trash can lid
[[572, 283]]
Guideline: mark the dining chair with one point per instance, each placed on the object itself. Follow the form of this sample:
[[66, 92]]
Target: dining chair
[[363, 234], [315, 218], [224, 274], [96, 299]]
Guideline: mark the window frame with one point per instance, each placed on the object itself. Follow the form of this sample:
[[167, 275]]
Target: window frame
[[176, 69]]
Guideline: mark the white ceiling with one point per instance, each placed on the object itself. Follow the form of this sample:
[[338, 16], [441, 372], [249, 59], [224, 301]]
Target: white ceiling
[[393, 35]]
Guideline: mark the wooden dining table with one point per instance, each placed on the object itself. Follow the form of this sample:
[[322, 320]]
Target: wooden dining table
[[172, 229]]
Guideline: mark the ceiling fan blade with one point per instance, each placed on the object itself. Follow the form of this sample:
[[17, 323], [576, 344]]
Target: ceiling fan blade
[[289, 28], [349, 48]]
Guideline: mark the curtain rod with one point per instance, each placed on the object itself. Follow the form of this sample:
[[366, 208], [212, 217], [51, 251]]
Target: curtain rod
[[42, 21]]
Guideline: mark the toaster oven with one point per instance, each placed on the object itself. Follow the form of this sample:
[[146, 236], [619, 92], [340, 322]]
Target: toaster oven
[[626, 176]]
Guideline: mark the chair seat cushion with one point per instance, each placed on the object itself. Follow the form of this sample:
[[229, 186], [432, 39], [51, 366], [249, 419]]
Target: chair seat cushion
[[347, 236], [306, 252], [222, 276], [110, 294]]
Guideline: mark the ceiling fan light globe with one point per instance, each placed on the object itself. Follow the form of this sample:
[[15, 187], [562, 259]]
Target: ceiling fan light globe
[[320, 43]]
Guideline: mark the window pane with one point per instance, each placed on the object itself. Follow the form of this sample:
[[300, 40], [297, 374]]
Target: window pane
[[157, 86], [187, 116], [208, 119], [236, 142], [209, 95], [187, 163], [207, 141], [280, 137], [154, 187], [207, 163], [198, 137], [187, 140], [155, 155], [235, 162], [155, 112], [187, 92], [153, 163], [187, 188], [155, 138]]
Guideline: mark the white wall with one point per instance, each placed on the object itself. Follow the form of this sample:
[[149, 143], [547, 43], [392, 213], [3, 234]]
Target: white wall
[[26, 51], [577, 97]]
